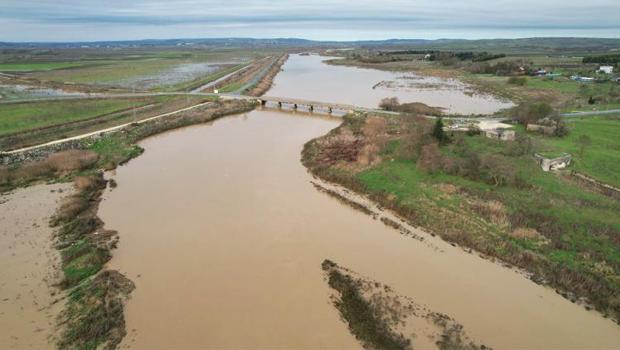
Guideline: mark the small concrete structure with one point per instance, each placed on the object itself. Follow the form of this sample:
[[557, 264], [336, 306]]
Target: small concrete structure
[[582, 79], [606, 69], [543, 129], [556, 163], [500, 134]]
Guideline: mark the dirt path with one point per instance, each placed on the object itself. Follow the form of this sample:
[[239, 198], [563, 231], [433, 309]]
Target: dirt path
[[28, 267]]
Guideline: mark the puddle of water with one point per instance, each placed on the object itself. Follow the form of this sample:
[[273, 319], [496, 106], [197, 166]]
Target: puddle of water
[[178, 74], [224, 236], [25, 91], [307, 77]]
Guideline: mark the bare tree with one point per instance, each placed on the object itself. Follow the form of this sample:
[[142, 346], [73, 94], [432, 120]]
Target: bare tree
[[389, 103]]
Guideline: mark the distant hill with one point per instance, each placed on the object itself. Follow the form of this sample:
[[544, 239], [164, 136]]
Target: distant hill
[[534, 45]]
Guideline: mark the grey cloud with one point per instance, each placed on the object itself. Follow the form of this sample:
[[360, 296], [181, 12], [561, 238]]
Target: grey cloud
[[55, 20]]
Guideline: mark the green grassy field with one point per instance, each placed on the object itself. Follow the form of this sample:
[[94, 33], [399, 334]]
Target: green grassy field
[[555, 199], [601, 159], [19, 117], [560, 84], [38, 66]]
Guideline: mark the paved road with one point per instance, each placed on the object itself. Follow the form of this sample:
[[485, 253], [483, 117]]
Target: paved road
[[587, 113], [214, 82]]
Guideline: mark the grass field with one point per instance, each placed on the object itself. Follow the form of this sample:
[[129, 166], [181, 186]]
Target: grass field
[[600, 159], [19, 117], [141, 68], [38, 66]]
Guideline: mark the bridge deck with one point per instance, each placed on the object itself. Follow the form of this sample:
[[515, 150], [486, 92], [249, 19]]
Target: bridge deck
[[303, 102]]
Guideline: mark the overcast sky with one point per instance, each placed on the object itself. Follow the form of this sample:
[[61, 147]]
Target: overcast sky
[[91, 20]]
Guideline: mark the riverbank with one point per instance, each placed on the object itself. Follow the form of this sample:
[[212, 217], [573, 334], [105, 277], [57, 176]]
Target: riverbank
[[575, 254], [93, 315]]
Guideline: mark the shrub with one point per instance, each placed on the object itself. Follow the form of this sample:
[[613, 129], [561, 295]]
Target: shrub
[[71, 160], [499, 171], [374, 127], [430, 158], [5, 175], [526, 113], [438, 133], [473, 130], [389, 103], [522, 145], [521, 81], [33, 170], [71, 206]]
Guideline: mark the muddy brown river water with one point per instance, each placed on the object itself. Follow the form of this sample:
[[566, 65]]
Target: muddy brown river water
[[224, 235]]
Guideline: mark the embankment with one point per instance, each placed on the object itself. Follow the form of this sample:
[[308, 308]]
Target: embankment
[[265, 83]]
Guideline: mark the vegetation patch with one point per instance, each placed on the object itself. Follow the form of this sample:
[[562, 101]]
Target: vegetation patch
[[379, 318], [371, 329], [487, 195], [19, 117], [55, 166], [94, 316]]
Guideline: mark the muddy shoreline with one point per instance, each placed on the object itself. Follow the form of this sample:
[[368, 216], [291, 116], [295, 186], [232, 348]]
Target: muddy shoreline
[[29, 297]]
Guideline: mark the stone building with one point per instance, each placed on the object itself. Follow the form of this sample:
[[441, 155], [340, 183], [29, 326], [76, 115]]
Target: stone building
[[547, 163], [500, 134]]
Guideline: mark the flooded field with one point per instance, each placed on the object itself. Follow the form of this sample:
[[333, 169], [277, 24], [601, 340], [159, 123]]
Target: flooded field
[[8, 91], [307, 77], [177, 74]]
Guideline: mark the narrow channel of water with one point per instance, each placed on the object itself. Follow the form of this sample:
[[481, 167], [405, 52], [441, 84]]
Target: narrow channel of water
[[224, 235]]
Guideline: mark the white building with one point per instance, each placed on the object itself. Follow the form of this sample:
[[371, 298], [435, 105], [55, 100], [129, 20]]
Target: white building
[[500, 134], [606, 69]]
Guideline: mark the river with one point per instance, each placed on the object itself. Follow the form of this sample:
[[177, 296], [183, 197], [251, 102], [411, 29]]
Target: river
[[306, 77], [223, 234]]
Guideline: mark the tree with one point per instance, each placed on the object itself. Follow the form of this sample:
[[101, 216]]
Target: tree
[[527, 113], [438, 133], [389, 103], [561, 129], [583, 141], [498, 170], [591, 100], [522, 145]]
